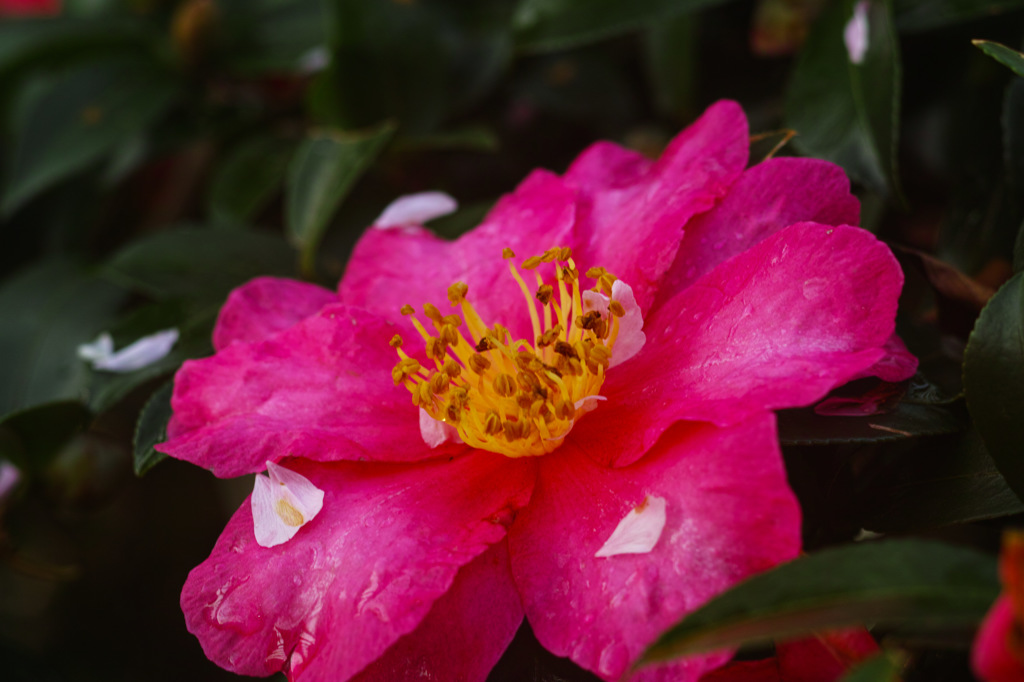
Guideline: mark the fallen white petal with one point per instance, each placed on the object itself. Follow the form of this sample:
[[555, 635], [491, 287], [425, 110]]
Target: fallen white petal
[[587, 404], [436, 432], [638, 532], [855, 34], [282, 502], [630, 338], [101, 348], [10, 476], [415, 209], [142, 353]]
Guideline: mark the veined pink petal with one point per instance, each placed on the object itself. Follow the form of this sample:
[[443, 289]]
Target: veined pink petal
[[729, 515], [391, 268], [897, 365], [465, 632], [267, 305], [767, 197], [777, 326], [366, 571], [321, 389], [632, 225]]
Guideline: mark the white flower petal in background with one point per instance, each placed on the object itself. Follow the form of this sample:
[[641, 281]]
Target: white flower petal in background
[[415, 209], [142, 353], [639, 531], [282, 503], [855, 35], [10, 476]]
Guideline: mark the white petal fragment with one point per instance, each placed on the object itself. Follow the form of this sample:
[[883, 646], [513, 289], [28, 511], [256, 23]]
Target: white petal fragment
[[415, 209], [855, 34], [10, 476], [435, 432], [142, 353], [282, 503], [631, 337], [638, 532]]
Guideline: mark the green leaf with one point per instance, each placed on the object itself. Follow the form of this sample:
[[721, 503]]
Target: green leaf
[[844, 112], [198, 264], [938, 484], [924, 15], [247, 179], [48, 311], [670, 48], [30, 438], [545, 25], [882, 667], [257, 36], [320, 176], [152, 429], [80, 118], [994, 379], [1001, 53], [908, 582]]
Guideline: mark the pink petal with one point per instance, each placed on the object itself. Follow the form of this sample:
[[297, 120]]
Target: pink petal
[[435, 432], [264, 306], [321, 389], [766, 198], [464, 634], [632, 224], [778, 326], [729, 515], [391, 268], [766, 670], [630, 338], [897, 365], [825, 657], [387, 543], [991, 657]]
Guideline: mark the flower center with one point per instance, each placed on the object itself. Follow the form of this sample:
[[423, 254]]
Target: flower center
[[515, 397]]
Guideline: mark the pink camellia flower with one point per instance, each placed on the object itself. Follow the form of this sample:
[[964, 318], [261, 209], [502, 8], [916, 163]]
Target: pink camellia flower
[[29, 8], [825, 657], [594, 451], [998, 653]]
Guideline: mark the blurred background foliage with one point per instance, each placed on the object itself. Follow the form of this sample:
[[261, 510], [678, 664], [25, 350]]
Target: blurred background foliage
[[157, 153]]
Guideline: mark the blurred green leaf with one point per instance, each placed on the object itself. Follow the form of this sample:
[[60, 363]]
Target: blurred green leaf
[[414, 62], [670, 48], [471, 138], [320, 176], [938, 485], [79, 118], [48, 311], [544, 25], [257, 36], [199, 264], [923, 15], [924, 584], [1001, 53], [152, 429], [844, 112], [33, 436], [247, 179], [881, 667], [994, 379]]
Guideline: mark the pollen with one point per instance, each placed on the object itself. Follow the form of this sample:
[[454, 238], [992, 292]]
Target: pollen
[[515, 397]]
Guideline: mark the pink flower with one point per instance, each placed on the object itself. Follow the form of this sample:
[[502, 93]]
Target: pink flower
[[825, 657], [604, 499], [29, 8], [998, 653]]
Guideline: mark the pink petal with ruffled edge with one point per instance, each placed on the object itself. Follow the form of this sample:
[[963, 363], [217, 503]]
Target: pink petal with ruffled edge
[[267, 305], [991, 657], [632, 226], [778, 326], [464, 634], [366, 571], [391, 268], [766, 198], [897, 365], [730, 514], [321, 389]]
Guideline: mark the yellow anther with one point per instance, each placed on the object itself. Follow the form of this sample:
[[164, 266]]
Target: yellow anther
[[288, 514], [565, 253], [516, 430], [396, 341], [550, 255], [452, 368], [431, 311], [453, 413], [479, 363], [453, 320], [568, 275], [549, 337], [616, 309], [492, 423], [407, 309], [436, 348], [485, 344], [564, 409], [457, 292], [504, 385], [449, 335], [531, 263], [507, 253], [587, 321], [595, 273], [544, 294], [606, 281], [439, 383]]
